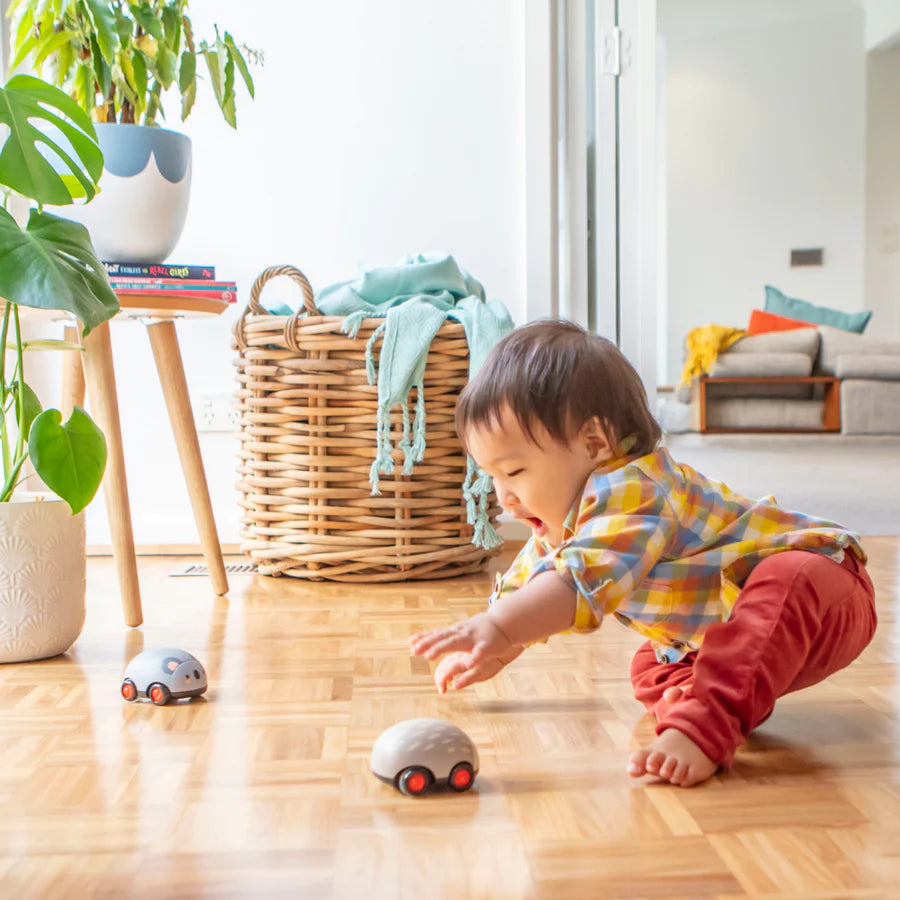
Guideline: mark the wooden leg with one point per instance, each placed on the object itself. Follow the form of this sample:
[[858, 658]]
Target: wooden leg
[[101, 382], [73, 376], [701, 384], [164, 341], [831, 418]]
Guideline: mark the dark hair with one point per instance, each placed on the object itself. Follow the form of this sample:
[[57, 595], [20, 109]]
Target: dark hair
[[556, 373]]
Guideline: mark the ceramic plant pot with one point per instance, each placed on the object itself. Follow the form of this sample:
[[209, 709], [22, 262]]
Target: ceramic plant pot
[[140, 210], [42, 577]]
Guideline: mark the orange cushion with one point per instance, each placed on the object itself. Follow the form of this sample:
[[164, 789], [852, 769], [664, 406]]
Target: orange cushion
[[762, 322]]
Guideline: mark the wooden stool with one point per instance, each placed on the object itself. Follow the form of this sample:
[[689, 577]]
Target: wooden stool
[[158, 313]]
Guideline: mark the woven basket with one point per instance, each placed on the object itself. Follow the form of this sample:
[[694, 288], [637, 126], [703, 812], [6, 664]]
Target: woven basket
[[308, 439]]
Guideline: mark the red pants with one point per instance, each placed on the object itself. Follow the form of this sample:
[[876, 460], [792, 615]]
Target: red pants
[[799, 617]]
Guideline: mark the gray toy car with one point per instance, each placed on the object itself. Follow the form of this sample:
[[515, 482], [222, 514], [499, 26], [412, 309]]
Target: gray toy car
[[415, 754], [163, 674]]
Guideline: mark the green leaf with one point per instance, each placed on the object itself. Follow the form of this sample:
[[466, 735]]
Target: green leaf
[[166, 65], [25, 26], [104, 21], [102, 71], [188, 33], [124, 26], [32, 407], [85, 93], [171, 19], [228, 101], [70, 459], [64, 63], [240, 62], [22, 165], [188, 95], [187, 74], [215, 73], [146, 18], [140, 79], [24, 49], [52, 265], [51, 45]]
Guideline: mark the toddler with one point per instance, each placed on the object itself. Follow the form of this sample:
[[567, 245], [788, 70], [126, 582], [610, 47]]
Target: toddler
[[741, 601]]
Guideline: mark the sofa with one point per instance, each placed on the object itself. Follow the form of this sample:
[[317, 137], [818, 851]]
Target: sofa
[[868, 369]]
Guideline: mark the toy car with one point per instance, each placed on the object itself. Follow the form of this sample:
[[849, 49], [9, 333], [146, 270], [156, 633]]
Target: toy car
[[415, 754], [163, 674]]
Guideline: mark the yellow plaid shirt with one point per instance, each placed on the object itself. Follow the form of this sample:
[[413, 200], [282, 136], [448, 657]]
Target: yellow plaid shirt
[[665, 550]]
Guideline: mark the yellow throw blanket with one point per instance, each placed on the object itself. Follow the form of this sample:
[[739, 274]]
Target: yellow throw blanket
[[703, 344]]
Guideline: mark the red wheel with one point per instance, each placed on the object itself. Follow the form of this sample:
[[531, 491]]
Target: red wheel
[[128, 690], [414, 781], [462, 776], [159, 694]]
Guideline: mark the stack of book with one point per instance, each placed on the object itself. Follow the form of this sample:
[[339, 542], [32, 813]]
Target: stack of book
[[174, 281]]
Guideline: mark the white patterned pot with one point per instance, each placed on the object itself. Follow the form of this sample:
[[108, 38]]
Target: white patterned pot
[[42, 577], [145, 189]]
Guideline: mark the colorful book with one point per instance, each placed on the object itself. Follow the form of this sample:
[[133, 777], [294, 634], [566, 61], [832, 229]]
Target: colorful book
[[229, 295], [171, 284], [160, 270]]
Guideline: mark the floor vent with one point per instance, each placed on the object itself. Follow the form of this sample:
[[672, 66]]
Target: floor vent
[[230, 569]]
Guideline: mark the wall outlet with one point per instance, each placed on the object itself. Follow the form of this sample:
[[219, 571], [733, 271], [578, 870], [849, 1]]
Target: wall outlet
[[216, 412]]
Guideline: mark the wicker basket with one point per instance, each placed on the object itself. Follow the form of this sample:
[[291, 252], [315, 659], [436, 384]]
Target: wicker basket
[[308, 439]]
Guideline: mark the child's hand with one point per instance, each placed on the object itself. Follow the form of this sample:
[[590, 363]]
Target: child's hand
[[455, 671], [478, 635]]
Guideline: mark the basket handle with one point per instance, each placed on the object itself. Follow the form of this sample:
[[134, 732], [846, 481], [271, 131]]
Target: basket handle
[[295, 275]]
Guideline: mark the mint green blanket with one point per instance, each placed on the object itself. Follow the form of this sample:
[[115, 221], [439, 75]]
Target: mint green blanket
[[414, 298]]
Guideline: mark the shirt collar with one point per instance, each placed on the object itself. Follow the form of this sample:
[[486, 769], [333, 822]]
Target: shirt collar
[[620, 456]]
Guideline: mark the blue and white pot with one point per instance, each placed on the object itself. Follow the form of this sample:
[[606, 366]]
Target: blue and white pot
[[140, 210]]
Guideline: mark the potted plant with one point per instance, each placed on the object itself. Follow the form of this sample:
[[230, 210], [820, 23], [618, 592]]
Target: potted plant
[[48, 264], [117, 60]]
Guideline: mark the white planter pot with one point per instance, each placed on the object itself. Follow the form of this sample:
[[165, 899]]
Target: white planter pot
[[140, 210], [42, 577]]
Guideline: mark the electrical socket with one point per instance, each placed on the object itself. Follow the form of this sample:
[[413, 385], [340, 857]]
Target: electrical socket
[[216, 412]]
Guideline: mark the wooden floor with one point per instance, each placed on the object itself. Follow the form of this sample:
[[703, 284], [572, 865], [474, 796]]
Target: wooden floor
[[262, 788]]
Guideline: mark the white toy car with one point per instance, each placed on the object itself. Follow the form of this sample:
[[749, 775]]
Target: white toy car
[[417, 753], [163, 674]]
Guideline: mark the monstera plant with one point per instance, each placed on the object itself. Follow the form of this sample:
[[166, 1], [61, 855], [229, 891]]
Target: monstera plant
[[48, 264]]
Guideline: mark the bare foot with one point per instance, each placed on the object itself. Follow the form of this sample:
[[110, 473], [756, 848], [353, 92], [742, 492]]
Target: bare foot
[[674, 757]]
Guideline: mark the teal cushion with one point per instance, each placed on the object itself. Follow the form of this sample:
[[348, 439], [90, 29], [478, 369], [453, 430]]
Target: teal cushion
[[782, 305]]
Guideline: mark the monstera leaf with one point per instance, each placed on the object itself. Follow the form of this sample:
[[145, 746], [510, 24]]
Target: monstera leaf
[[22, 165], [69, 458], [51, 264]]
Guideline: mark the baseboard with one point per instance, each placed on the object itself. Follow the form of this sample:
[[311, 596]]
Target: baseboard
[[163, 550]]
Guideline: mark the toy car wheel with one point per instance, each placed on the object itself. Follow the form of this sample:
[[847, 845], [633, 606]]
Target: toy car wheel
[[414, 781], [461, 778], [159, 694], [128, 690]]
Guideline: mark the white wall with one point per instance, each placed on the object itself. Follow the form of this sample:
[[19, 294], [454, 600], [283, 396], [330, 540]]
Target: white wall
[[766, 152], [883, 190], [378, 129], [882, 22]]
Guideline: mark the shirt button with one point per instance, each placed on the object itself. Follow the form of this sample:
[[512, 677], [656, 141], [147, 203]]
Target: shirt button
[[678, 645]]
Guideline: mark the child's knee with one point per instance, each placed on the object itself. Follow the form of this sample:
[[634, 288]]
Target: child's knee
[[643, 661]]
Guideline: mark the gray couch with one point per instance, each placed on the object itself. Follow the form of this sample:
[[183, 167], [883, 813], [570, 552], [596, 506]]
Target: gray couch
[[869, 369]]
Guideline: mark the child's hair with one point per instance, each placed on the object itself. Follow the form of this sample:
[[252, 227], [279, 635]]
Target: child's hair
[[556, 373]]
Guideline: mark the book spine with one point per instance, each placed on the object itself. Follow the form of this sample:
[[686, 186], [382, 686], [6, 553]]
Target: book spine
[[215, 294], [171, 284], [160, 270]]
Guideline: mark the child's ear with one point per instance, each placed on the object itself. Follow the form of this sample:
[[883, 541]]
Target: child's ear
[[596, 439]]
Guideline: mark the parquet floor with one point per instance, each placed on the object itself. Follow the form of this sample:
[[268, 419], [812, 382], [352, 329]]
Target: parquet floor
[[262, 789]]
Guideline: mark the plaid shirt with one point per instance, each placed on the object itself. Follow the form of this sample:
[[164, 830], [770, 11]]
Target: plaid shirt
[[665, 550]]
